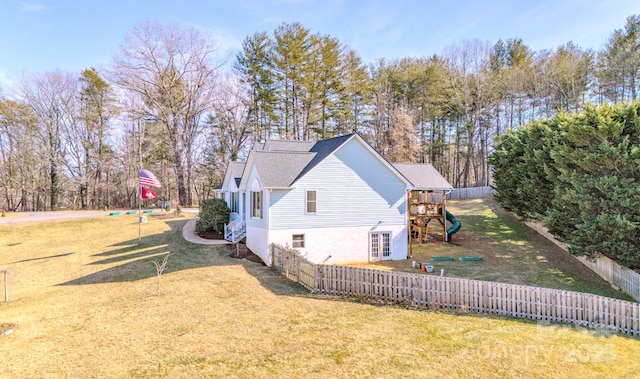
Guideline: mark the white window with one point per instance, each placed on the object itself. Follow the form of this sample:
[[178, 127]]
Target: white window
[[235, 202], [256, 204], [298, 240], [244, 201], [311, 201], [380, 245]]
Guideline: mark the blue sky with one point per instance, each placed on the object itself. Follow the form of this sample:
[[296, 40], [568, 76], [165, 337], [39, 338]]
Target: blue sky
[[71, 35]]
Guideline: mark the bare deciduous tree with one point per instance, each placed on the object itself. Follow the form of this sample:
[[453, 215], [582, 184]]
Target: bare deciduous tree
[[174, 73], [51, 97], [160, 267]]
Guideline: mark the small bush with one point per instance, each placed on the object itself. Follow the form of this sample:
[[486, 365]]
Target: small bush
[[214, 213]]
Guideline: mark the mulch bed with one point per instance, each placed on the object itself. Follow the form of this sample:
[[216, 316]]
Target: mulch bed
[[212, 235], [238, 250]]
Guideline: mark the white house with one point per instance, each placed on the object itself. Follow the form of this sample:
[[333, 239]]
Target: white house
[[336, 201]]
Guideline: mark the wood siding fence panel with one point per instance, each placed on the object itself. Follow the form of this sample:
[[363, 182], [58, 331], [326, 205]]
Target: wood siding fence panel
[[470, 193], [622, 277], [430, 291]]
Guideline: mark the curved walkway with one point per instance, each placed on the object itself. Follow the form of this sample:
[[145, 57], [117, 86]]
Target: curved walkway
[[189, 234]]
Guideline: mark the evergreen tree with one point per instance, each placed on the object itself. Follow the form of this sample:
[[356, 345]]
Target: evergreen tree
[[595, 208], [255, 69], [619, 64]]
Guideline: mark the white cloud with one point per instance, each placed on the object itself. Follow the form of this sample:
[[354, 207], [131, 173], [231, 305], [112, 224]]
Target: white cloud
[[227, 43]]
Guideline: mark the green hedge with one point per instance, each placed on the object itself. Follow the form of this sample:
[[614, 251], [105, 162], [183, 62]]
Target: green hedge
[[580, 175]]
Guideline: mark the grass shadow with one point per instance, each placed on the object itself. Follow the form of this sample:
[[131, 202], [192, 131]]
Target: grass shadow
[[150, 252], [129, 246], [42, 258], [133, 262]]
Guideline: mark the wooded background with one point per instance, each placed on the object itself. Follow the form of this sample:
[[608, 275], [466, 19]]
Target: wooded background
[[77, 140]]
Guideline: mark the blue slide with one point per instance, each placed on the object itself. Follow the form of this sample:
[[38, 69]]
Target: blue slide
[[455, 225]]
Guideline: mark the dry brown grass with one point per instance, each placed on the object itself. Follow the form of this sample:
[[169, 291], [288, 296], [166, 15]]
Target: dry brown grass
[[84, 304]]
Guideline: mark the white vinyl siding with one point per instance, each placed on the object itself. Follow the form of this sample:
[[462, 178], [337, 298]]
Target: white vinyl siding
[[353, 188], [342, 244]]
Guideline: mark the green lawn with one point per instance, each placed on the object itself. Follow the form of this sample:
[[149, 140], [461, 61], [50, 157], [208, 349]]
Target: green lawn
[[511, 253], [83, 304]]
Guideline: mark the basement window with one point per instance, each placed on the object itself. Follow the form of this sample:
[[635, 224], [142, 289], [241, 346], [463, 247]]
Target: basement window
[[298, 241]]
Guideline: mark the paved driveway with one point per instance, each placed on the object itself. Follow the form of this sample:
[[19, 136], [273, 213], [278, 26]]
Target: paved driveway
[[49, 216], [64, 215]]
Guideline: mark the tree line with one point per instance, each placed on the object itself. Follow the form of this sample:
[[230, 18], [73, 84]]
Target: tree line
[[77, 140]]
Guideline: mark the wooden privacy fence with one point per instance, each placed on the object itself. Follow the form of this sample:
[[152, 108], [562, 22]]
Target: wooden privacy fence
[[470, 193], [423, 290], [290, 264], [622, 277]]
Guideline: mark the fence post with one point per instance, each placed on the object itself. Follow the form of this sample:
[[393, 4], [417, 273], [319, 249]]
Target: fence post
[[315, 277], [271, 258], [6, 293]]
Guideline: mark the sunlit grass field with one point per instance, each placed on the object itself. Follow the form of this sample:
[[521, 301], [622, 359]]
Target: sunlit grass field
[[83, 304]]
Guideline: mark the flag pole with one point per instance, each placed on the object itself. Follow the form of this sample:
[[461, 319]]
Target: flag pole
[[139, 181], [139, 211]]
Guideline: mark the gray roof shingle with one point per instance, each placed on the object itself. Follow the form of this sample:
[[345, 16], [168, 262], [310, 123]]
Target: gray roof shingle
[[235, 169], [279, 169], [281, 163], [423, 176], [234, 172]]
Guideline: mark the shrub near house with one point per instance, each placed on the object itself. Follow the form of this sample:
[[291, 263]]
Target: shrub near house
[[214, 213]]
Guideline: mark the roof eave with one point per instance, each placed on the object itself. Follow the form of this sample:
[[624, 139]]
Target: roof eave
[[430, 189]]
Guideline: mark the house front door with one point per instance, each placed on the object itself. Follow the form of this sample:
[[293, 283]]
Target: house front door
[[379, 246]]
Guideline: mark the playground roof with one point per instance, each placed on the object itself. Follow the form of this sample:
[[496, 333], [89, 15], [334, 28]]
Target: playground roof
[[423, 176]]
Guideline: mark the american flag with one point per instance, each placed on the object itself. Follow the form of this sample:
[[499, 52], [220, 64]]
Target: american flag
[[148, 179]]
